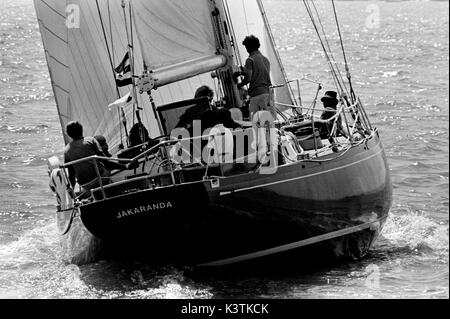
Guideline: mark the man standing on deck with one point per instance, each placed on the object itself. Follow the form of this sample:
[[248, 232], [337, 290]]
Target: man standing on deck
[[257, 74]]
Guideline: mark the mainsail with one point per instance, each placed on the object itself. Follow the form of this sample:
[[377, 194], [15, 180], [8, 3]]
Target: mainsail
[[85, 40]]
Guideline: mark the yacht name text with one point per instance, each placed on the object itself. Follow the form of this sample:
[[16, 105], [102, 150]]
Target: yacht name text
[[144, 209]]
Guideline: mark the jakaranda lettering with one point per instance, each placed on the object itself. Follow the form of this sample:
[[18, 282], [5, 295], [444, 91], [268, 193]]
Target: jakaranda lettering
[[144, 209]]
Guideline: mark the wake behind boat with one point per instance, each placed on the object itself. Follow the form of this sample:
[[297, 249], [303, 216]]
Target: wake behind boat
[[206, 195]]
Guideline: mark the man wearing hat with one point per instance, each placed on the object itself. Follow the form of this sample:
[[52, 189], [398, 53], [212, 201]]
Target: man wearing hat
[[330, 102]]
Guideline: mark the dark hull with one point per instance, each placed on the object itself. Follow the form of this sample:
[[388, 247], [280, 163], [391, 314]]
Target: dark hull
[[332, 208]]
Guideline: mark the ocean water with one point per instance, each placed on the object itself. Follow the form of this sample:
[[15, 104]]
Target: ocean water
[[399, 61]]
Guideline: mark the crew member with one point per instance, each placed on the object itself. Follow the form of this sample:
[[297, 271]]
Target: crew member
[[257, 75], [81, 147]]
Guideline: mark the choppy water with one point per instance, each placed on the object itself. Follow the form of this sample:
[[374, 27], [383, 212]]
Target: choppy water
[[401, 71]]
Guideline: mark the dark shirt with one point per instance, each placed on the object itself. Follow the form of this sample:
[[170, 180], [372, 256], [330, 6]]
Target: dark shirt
[[138, 135], [195, 112], [257, 73], [191, 114], [83, 172], [224, 117], [328, 113]]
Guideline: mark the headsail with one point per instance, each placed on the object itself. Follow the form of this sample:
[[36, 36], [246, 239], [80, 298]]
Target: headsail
[[247, 17]]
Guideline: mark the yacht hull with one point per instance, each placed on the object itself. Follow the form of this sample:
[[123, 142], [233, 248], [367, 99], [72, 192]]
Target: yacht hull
[[335, 207]]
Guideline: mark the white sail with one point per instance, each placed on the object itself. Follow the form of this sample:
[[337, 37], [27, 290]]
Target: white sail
[[85, 40], [174, 31], [51, 18], [247, 18], [77, 35]]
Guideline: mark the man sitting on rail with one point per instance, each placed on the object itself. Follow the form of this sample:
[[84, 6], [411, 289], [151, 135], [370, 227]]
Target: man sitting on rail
[[84, 173]]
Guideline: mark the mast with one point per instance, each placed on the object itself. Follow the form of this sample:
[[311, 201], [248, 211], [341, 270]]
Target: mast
[[225, 45]]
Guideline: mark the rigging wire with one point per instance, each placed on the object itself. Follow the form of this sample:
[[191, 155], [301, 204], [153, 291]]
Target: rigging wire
[[245, 15], [347, 68], [276, 53], [311, 15], [233, 34], [145, 59], [337, 71], [132, 22], [132, 58], [107, 45], [146, 66], [111, 63], [114, 62], [130, 40], [234, 44], [111, 34], [130, 43]]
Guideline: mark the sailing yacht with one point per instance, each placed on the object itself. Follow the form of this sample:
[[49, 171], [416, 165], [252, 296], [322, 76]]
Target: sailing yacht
[[204, 196]]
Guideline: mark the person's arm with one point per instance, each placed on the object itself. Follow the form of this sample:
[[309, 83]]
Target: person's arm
[[96, 147], [109, 165], [248, 74], [71, 172]]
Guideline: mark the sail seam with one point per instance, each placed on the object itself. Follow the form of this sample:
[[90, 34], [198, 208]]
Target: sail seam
[[60, 87], [54, 58], [107, 45], [53, 9], [96, 56], [172, 26], [49, 30], [164, 36]]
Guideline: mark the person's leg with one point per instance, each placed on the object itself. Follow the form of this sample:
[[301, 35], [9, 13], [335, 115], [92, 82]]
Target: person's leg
[[254, 106], [270, 105], [258, 103]]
